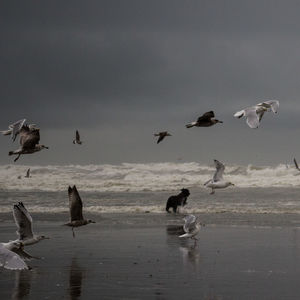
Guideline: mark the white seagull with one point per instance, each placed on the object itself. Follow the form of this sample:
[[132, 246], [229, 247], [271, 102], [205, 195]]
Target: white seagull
[[191, 227], [14, 129], [255, 113], [9, 259], [217, 182], [23, 221]]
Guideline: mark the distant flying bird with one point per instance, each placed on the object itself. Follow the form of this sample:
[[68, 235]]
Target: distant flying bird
[[255, 113], [75, 205], [27, 173], [23, 221], [206, 120], [77, 138], [191, 227], [217, 182], [29, 138], [10, 260], [162, 135]]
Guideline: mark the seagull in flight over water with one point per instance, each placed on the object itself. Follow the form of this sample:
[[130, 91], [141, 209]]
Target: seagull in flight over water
[[75, 204], [217, 182], [77, 138], [206, 120], [255, 113], [162, 135]]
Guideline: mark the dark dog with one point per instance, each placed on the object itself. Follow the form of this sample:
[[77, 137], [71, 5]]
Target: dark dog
[[178, 200]]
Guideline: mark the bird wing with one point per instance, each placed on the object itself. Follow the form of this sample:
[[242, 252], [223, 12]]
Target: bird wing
[[206, 116], [10, 260], [218, 176], [252, 117], [161, 137], [75, 204], [16, 127], [270, 105], [77, 136], [190, 223], [23, 221], [29, 137], [296, 164]]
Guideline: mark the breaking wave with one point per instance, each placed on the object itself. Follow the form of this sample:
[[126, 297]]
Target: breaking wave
[[131, 177]]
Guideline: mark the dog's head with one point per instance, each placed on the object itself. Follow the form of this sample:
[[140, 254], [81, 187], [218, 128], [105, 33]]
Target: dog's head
[[185, 192]]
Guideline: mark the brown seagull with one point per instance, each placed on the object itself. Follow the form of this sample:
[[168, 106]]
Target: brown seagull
[[162, 135], [206, 120]]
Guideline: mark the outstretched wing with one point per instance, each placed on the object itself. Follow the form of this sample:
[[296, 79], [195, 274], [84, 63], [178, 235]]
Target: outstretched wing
[[10, 260], [16, 128], [77, 136], [270, 105], [206, 116], [252, 117], [190, 223], [23, 221], [161, 137], [296, 164], [75, 204], [218, 176], [29, 137]]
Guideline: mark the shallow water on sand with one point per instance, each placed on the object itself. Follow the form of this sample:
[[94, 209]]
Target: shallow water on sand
[[137, 261]]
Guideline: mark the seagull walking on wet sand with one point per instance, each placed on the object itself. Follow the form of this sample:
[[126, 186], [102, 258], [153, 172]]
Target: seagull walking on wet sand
[[255, 113], [75, 204], [23, 221], [77, 138], [162, 135], [217, 182], [29, 138], [191, 227], [206, 120]]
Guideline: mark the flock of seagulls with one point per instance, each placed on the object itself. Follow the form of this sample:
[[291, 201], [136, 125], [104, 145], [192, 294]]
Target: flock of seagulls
[[12, 254]]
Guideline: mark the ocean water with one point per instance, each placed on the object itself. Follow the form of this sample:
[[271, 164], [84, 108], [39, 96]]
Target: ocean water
[[261, 195]]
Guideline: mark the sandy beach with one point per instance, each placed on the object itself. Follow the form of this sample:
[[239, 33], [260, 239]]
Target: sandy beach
[[132, 257]]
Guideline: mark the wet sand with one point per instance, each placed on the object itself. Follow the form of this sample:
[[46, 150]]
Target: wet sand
[[135, 258]]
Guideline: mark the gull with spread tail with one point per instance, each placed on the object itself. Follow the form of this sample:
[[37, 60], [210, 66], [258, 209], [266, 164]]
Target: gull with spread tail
[[29, 138], [206, 120], [217, 182], [191, 227], [75, 204], [9, 259], [162, 135], [77, 138], [255, 113]]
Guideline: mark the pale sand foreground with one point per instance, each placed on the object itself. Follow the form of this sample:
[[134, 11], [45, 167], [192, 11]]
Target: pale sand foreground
[[131, 260]]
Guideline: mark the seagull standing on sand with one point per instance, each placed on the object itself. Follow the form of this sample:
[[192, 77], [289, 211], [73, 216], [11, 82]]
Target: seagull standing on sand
[[217, 182], [23, 221], [10, 260], [191, 227], [75, 203], [77, 138], [255, 113], [29, 138], [206, 120], [162, 135]]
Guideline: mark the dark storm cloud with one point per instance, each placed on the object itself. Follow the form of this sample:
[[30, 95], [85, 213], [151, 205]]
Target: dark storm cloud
[[146, 64]]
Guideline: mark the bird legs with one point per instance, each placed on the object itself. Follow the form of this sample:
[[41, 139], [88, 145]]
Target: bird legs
[[212, 191], [17, 157]]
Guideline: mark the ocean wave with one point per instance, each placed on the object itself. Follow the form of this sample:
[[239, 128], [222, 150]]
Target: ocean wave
[[131, 177]]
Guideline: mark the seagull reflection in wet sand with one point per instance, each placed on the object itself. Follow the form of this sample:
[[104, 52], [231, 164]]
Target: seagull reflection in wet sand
[[75, 280], [22, 284]]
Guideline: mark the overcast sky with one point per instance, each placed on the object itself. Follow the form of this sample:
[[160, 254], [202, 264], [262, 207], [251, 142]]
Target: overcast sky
[[119, 71]]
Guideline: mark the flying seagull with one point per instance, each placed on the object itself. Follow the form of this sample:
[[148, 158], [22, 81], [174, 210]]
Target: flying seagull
[[77, 138], [75, 205], [255, 113], [162, 135], [27, 173], [217, 182], [23, 221], [11, 260], [191, 227], [206, 120], [29, 138]]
